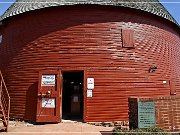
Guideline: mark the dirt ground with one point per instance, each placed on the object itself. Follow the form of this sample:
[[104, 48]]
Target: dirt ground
[[64, 128]]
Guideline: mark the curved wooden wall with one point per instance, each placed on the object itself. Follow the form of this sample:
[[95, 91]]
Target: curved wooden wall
[[90, 38]]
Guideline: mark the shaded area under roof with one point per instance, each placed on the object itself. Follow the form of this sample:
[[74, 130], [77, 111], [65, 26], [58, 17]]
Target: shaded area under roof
[[151, 6]]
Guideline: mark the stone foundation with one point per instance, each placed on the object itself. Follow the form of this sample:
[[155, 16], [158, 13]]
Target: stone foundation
[[119, 124]]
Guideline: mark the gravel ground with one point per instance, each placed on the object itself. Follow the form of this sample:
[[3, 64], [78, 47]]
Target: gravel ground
[[63, 128], [20, 124]]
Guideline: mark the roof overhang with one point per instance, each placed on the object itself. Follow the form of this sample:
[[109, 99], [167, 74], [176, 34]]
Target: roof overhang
[[151, 6]]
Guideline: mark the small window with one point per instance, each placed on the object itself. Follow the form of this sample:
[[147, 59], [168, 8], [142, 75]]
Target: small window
[[127, 38]]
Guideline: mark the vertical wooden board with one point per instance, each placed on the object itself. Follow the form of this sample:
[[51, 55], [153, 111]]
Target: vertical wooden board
[[172, 87], [128, 38]]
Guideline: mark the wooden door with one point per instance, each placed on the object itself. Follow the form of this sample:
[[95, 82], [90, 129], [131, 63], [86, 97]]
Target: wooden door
[[49, 97]]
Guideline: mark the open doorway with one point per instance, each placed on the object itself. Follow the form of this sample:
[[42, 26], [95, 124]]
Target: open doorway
[[72, 95]]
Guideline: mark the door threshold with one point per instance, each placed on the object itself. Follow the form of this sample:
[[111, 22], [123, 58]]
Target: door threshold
[[72, 121]]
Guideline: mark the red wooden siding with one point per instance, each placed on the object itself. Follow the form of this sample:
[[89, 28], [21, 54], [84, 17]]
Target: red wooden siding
[[89, 38]]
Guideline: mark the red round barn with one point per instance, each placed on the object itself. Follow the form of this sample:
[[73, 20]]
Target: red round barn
[[83, 59]]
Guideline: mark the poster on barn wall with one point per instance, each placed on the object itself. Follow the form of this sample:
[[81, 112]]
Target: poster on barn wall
[[48, 102], [89, 93], [48, 80], [90, 83]]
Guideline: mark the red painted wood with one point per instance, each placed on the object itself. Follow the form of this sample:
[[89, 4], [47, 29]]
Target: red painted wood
[[128, 38], [172, 87], [90, 38], [44, 112]]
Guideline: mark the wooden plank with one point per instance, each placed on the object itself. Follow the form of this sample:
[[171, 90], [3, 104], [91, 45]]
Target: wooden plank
[[172, 87], [128, 38]]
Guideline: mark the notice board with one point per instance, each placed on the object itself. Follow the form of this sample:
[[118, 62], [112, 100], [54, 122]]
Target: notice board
[[146, 115]]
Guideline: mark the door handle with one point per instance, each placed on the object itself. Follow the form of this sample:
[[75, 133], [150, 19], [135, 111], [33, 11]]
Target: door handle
[[41, 94], [48, 93]]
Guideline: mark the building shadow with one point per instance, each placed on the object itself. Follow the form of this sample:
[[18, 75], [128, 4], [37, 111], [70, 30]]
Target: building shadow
[[31, 102], [106, 132]]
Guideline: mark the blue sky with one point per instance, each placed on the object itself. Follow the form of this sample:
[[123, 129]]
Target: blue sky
[[173, 6]]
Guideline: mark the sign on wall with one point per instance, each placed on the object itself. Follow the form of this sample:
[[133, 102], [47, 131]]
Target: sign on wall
[[146, 115], [48, 80], [89, 93], [48, 102], [90, 83]]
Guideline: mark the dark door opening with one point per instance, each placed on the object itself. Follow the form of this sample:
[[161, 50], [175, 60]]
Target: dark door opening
[[72, 95]]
